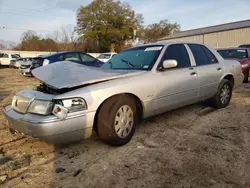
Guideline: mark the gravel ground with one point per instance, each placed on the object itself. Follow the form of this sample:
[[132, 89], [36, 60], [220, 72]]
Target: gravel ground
[[195, 146]]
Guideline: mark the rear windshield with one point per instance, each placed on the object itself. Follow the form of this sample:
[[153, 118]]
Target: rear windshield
[[237, 54]]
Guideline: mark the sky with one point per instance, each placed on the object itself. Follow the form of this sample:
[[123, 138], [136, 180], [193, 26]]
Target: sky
[[46, 16]]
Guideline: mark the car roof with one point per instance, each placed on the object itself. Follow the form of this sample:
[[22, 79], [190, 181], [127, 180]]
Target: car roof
[[164, 43], [58, 53]]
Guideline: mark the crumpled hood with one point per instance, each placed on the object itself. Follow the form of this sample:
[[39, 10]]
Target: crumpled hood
[[67, 74]]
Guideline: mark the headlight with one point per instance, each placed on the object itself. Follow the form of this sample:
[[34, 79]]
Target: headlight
[[75, 104], [45, 62], [41, 107], [244, 65]]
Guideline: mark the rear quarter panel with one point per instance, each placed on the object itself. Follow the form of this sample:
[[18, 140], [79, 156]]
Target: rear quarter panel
[[233, 67]]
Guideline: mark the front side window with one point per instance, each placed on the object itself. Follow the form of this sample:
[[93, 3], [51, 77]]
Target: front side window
[[199, 54], [86, 58], [179, 53], [233, 53], [138, 58], [71, 57]]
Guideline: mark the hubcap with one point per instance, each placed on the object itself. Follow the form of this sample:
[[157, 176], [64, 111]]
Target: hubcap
[[124, 121], [225, 94]]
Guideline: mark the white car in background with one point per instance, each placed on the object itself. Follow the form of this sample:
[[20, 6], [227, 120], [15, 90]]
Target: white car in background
[[6, 58], [104, 57]]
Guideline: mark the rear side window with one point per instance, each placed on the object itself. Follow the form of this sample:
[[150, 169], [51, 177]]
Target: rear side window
[[211, 57], [179, 53], [199, 54], [86, 58]]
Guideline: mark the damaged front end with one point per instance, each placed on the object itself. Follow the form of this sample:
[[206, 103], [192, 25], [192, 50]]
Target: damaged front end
[[39, 114], [42, 102]]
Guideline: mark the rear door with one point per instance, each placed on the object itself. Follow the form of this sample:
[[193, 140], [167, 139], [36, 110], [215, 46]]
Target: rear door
[[209, 70]]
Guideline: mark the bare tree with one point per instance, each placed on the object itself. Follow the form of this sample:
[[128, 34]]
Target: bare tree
[[67, 38]]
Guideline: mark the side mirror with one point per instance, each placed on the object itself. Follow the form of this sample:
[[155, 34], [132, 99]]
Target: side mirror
[[171, 63]]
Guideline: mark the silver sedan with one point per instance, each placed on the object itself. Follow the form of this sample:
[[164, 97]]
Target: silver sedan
[[73, 99]]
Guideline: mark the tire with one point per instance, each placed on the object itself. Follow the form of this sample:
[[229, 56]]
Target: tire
[[114, 132], [220, 100], [246, 76]]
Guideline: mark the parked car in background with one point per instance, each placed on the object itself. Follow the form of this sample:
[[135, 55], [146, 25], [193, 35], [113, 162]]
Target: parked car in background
[[245, 46], [7, 58], [17, 62], [138, 83], [104, 57], [240, 54], [42, 60]]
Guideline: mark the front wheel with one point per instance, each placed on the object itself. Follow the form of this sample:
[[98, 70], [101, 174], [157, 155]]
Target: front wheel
[[223, 96], [117, 120]]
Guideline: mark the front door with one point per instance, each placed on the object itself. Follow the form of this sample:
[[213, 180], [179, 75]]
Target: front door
[[209, 70], [178, 86]]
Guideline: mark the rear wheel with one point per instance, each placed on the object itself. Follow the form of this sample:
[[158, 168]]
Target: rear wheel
[[223, 96], [117, 120]]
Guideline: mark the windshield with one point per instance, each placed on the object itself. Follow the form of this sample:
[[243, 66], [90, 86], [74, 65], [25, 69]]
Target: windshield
[[237, 54], [140, 58], [104, 56]]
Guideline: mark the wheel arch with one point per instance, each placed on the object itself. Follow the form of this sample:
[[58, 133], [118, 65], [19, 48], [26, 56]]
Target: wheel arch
[[138, 102], [229, 77]]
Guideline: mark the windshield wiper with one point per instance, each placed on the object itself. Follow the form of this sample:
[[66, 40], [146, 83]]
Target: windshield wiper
[[128, 63]]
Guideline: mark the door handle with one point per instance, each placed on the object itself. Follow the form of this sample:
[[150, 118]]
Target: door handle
[[219, 69], [193, 73]]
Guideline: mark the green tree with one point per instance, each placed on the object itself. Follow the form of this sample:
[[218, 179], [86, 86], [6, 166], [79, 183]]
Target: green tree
[[107, 23], [156, 31]]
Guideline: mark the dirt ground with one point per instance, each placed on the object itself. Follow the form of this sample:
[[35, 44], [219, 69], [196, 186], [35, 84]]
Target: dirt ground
[[195, 146]]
